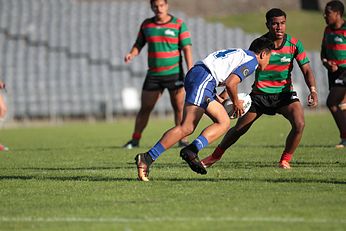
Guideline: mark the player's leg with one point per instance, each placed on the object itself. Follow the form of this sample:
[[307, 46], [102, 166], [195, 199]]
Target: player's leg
[[196, 101], [294, 113], [221, 123], [148, 101], [3, 107], [336, 102], [177, 97], [191, 117], [233, 134], [3, 110]]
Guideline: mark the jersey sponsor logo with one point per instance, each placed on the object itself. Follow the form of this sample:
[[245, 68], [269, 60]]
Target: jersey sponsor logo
[[338, 39], [285, 60], [169, 32], [293, 96], [179, 83]]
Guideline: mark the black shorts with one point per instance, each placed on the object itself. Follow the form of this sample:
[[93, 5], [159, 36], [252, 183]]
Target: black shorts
[[270, 103], [171, 82], [339, 75]]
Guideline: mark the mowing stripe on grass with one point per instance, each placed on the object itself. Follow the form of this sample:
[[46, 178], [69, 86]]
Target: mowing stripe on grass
[[170, 219]]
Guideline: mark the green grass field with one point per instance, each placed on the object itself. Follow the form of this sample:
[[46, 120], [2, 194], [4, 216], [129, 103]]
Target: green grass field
[[76, 176], [307, 26]]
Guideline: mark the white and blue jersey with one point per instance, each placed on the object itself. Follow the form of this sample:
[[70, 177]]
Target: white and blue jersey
[[201, 81]]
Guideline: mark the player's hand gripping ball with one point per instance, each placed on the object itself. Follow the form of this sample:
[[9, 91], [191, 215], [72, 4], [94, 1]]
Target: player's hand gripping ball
[[228, 105]]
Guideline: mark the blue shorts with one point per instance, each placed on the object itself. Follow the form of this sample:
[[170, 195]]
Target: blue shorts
[[200, 86]]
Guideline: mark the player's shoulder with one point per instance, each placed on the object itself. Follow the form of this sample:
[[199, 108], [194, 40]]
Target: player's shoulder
[[327, 29], [176, 20], [148, 21], [292, 40], [343, 27]]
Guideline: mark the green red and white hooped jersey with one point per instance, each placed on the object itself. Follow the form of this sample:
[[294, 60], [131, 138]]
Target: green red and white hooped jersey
[[276, 77], [165, 42], [334, 45]]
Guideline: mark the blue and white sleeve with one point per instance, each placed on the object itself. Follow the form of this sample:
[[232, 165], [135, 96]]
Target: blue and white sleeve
[[246, 69]]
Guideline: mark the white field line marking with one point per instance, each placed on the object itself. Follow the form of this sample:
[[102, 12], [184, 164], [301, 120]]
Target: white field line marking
[[170, 219]]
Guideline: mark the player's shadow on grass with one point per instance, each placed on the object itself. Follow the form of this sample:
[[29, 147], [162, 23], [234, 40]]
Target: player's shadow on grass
[[259, 164], [266, 180], [68, 178], [145, 148], [182, 165], [76, 168], [64, 148], [251, 165], [197, 179], [282, 146]]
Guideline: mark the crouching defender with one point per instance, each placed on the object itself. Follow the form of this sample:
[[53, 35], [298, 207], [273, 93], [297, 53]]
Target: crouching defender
[[224, 67], [272, 91]]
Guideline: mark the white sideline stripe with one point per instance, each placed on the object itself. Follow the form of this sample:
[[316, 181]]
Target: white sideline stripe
[[169, 219]]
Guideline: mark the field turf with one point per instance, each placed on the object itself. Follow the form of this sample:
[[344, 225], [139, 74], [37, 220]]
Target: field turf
[[297, 22], [76, 176]]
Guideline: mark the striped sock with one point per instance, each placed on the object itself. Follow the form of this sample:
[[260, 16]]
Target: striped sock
[[156, 151], [200, 143]]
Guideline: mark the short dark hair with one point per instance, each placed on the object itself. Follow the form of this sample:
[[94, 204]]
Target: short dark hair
[[261, 44], [152, 1], [336, 6], [274, 12]]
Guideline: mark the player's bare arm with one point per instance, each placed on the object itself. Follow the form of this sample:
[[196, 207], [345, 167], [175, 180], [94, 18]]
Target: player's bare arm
[[330, 65], [232, 89], [311, 83], [187, 50], [133, 53]]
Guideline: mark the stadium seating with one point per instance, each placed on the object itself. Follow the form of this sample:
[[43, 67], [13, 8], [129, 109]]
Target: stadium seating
[[64, 58]]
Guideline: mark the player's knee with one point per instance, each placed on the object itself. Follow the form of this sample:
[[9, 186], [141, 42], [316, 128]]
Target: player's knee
[[226, 124], [332, 107], [146, 109], [3, 112], [187, 130]]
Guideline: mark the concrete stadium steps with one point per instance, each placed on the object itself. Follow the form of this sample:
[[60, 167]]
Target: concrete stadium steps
[[62, 58]]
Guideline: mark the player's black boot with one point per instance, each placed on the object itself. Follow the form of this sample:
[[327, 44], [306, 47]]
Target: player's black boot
[[131, 144], [191, 157], [183, 144]]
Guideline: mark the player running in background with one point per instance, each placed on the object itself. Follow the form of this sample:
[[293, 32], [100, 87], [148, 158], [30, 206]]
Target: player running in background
[[272, 91], [166, 36], [3, 110], [225, 67], [333, 56]]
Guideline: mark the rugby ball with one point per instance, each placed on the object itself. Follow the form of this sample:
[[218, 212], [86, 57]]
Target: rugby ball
[[228, 105]]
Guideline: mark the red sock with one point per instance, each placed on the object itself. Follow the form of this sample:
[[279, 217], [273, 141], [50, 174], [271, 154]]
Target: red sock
[[218, 152], [136, 136], [286, 156]]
